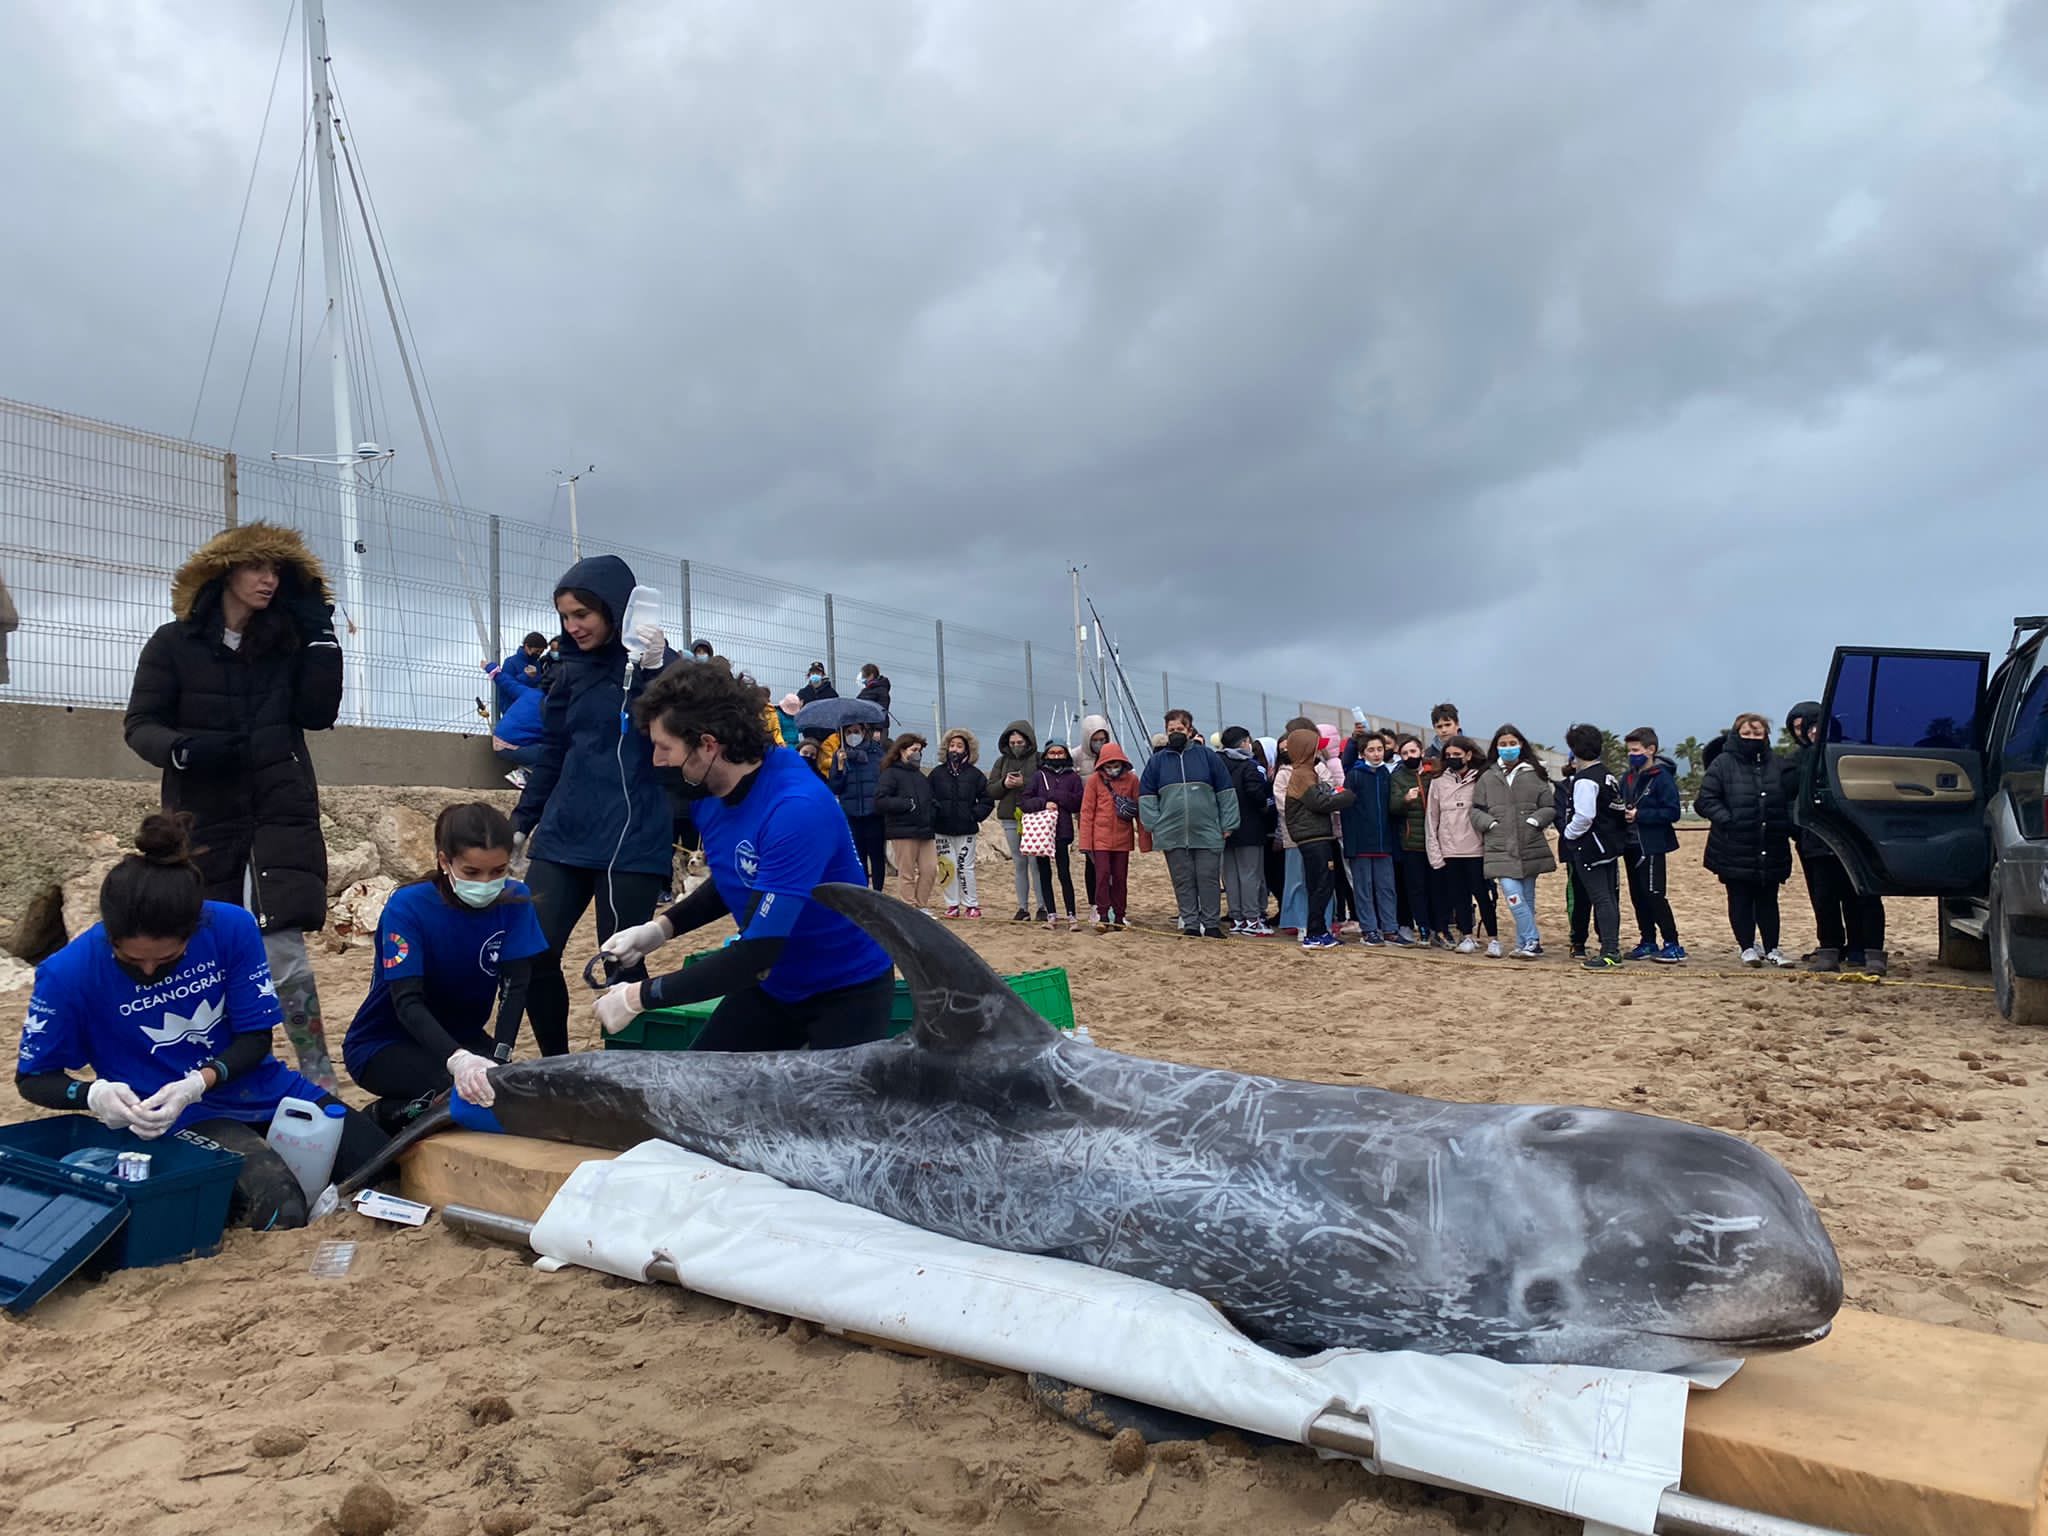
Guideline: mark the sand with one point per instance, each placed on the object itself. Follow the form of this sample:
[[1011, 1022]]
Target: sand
[[479, 1393]]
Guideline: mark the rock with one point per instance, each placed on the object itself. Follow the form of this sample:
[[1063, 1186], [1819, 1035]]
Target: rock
[[1916, 1182], [405, 842], [366, 1510], [15, 975], [1127, 1452], [491, 1408], [352, 916], [39, 932], [506, 1522], [352, 866], [273, 1443], [82, 890]]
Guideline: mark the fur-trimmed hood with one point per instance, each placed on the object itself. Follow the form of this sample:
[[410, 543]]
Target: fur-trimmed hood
[[246, 545], [973, 744]]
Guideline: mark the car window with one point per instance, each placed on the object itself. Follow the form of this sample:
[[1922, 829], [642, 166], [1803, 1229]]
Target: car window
[[1929, 702], [2026, 748]]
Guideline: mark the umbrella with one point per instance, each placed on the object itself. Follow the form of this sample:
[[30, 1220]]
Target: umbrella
[[830, 715]]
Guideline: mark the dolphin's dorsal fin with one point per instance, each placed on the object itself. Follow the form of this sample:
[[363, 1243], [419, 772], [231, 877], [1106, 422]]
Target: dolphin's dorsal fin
[[961, 1003]]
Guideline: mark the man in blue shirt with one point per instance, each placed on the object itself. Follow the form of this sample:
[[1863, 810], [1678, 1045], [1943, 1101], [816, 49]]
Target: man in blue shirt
[[799, 974]]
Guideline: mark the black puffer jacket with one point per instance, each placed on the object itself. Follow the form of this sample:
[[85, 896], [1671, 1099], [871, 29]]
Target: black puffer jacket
[[960, 797], [228, 726], [904, 797], [1743, 796]]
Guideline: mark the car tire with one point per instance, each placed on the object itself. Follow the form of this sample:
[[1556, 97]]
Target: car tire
[[2021, 999], [1955, 949]]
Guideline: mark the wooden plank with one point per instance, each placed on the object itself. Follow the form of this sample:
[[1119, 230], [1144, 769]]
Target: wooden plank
[[512, 1175], [1885, 1428]]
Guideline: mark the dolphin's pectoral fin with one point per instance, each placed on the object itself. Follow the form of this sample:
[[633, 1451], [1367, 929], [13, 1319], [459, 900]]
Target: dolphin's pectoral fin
[[960, 1001]]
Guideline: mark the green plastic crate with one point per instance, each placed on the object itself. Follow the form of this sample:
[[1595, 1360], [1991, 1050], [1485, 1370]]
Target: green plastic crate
[[1045, 993]]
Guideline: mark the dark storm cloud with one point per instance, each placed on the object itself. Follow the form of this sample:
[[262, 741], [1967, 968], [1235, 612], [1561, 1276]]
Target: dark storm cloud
[[1610, 360]]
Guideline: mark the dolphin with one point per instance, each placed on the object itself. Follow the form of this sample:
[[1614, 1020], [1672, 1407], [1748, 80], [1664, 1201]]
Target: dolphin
[[1312, 1216]]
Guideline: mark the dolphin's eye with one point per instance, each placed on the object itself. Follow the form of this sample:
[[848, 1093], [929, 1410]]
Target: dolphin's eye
[[1556, 1120], [1541, 1298]]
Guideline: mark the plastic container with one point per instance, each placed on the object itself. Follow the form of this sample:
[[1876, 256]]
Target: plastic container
[[307, 1135], [178, 1212], [1046, 993]]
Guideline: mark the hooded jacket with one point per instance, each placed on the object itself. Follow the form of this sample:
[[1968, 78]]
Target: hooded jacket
[[876, 691], [856, 774], [1187, 800], [1311, 816], [1743, 796], [1413, 814], [1024, 767], [261, 812], [1084, 754], [1255, 813], [1653, 791], [1369, 827], [960, 797], [903, 794], [1063, 789], [1099, 829], [595, 799], [1447, 831], [1332, 776], [1505, 803]]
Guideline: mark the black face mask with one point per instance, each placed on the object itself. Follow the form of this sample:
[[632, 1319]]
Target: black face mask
[[692, 791], [1177, 740], [1454, 764], [142, 978], [1057, 765]]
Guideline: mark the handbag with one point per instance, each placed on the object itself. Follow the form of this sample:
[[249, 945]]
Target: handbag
[[1126, 808], [1039, 837]]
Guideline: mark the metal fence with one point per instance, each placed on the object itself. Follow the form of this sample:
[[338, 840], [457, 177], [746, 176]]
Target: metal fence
[[95, 519]]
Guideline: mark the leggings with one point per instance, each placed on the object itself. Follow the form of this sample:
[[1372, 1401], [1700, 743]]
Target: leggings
[[1753, 905], [1020, 867], [751, 1020], [291, 972], [869, 844], [403, 1073], [561, 895], [266, 1195], [1061, 851], [1465, 883], [1088, 878], [1420, 884], [1319, 874]]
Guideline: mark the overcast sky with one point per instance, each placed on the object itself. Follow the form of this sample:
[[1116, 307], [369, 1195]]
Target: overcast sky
[[1605, 360]]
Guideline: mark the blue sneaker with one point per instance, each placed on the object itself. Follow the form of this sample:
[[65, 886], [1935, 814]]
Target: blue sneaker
[[1670, 954], [1320, 941], [1643, 951], [1371, 938]]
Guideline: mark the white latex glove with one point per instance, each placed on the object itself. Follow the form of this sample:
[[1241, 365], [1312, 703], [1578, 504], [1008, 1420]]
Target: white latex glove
[[650, 645], [161, 1109], [629, 946], [516, 867], [114, 1105], [472, 1078], [619, 1007]]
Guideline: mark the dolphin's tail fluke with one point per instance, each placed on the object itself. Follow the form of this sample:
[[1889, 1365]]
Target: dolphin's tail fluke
[[960, 1002], [435, 1120]]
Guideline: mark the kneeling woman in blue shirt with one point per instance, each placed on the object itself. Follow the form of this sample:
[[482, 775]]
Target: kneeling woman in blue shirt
[[168, 1000], [799, 974], [451, 950]]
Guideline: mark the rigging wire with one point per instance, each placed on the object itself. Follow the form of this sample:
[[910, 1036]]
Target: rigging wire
[[295, 322], [241, 223], [284, 227]]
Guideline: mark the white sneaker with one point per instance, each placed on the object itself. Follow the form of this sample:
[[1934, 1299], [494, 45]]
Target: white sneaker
[[1468, 945], [1493, 950], [1752, 957], [1778, 958], [516, 778], [1257, 929]]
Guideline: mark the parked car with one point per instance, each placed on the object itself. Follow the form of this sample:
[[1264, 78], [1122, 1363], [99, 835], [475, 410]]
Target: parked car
[[1930, 783]]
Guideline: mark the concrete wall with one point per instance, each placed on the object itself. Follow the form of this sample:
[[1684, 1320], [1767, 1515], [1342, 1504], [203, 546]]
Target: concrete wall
[[48, 741]]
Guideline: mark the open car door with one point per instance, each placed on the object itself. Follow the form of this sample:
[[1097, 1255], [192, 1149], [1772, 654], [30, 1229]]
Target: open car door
[[1897, 789]]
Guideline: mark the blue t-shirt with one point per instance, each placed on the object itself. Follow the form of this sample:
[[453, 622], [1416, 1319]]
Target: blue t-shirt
[[88, 1012], [456, 950], [782, 841]]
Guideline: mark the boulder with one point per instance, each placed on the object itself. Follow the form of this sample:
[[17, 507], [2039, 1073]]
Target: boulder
[[15, 975], [39, 932], [351, 866], [405, 842], [82, 890], [352, 916]]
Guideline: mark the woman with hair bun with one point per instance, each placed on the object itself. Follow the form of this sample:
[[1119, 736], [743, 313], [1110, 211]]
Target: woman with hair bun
[[168, 1001], [454, 948]]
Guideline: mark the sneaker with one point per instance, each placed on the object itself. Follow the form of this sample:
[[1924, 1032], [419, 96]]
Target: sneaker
[[1467, 945], [1578, 951], [1878, 964], [1238, 926], [1257, 929], [1320, 941], [516, 778], [1102, 925], [953, 912], [973, 914], [1780, 959], [1602, 963], [1493, 949], [1118, 926], [1670, 954], [1643, 951], [1214, 933], [1408, 936], [1442, 941], [1051, 922], [1399, 938], [1752, 957], [1021, 917], [1825, 960], [1043, 916], [1373, 939], [1527, 952]]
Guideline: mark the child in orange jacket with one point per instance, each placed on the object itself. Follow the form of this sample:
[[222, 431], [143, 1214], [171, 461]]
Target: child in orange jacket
[[1107, 830]]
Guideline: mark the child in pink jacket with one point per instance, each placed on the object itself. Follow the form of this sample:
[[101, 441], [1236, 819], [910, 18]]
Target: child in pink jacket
[[1457, 851]]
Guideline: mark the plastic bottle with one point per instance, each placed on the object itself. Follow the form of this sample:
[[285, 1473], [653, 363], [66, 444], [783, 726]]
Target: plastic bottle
[[306, 1136]]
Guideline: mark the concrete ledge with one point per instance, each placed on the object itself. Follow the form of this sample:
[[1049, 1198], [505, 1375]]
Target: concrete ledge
[[49, 741]]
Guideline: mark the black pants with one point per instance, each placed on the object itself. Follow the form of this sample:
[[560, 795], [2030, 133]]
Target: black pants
[[1276, 873], [1342, 908], [1465, 883], [561, 895], [751, 1020], [1061, 851], [1088, 878], [1404, 914], [1319, 877], [404, 1072], [1843, 917], [869, 843], [1601, 886], [1421, 886], [266, 1195], [1578, 906], [1753, 906], [1647, 894]]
